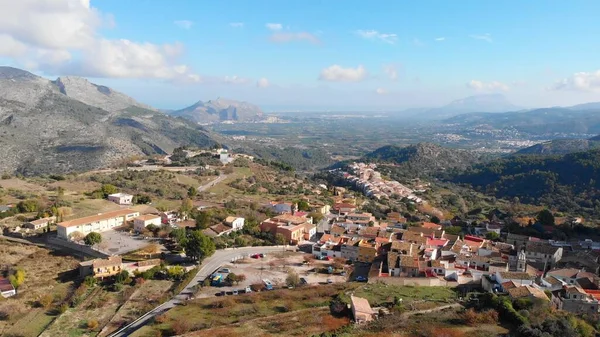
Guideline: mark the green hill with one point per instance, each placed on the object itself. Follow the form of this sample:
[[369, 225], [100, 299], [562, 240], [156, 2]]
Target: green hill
[[423, 158], [569, 183]]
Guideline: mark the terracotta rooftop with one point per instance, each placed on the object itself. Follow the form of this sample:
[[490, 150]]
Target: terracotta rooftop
[[526, 291], [96, 218], [147, 217], [109, 262], [5, 285], [295, 220]]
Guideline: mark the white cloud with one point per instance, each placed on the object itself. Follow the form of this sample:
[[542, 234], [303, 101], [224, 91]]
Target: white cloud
[[484, 37], [274, 26], [237, 24], [184, 24], [381, 91], [581, 81], [235, 80], [262, 83], [283, 37], [391, 71], [336, 73], [62, 37], [487, 86], [439, 39], [372, 34]]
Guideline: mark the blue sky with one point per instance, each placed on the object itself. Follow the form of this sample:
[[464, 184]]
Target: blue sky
[[315, 54]]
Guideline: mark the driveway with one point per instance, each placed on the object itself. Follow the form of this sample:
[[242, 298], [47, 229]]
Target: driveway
[[208, 266]]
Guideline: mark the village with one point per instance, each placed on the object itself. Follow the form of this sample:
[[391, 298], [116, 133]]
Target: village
[[309, 242]]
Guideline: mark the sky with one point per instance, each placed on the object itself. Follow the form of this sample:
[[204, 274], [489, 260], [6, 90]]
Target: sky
[[307, 55]]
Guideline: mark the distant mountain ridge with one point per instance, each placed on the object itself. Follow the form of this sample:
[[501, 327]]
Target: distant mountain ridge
[[490, 103], [220, 110], [423, 158], [71, 124]]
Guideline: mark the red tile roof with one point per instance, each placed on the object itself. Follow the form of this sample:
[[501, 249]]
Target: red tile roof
[[5, 285], [431, 225]]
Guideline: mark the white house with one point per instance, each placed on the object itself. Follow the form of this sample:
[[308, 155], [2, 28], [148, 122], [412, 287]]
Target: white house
[[95, 223], [39, 223], [234, 222], [143, 221], [6, 288], [121, 198]]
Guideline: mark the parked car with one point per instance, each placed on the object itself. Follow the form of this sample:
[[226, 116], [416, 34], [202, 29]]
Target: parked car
[[329, 280], [235, 292], [248, 290], [262, 255], [303, 281], [225, 270], [255, 256], [361, 279]]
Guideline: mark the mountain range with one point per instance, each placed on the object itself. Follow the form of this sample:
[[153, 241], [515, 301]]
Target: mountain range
[[71, 124], [489, 103], [220, 110]]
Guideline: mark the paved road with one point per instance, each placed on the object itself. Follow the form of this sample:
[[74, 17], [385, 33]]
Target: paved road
[[212, 183], [209, 266]]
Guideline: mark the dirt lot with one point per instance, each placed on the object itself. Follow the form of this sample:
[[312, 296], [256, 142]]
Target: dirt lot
[[46, 272], [274, 267]]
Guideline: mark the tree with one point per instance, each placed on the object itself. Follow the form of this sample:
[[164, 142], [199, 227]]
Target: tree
[[122, 276], [232, 278], [186, 207], [493, 236], [176, 273], [435, 219], [545, 218], [453, 230], [192, 192], [303, 205], [92, 239], [178, 234], [316, 216], [17, 278], [203, 220], [241, 278], [45, 301], [292, 279], [280, 239], [107, 189], [198, 246]]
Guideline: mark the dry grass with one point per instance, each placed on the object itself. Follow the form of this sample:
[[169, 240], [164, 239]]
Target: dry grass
[[46, 272], [89, 207], [148, 296], [217, 312], [23, 185]]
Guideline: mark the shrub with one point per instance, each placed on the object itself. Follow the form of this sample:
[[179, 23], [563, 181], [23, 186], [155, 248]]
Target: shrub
[[181, 326], [92, 324], [89, 281], [63, 308], [45, 301]]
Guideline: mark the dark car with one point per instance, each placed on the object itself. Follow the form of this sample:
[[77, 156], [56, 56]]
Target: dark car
[[303, 281], [361, 279]]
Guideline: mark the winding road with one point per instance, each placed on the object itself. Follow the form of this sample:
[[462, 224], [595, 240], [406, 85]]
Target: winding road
[[211, 183], [209, 266]]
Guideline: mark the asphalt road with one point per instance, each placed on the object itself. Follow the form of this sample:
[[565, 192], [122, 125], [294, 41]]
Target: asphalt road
[[208, 266], [208, 185]]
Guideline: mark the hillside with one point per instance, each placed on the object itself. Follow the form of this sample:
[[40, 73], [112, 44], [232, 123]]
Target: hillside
[[219, 110], [561, 146], [423, 158], [73, 125], [569, 183]]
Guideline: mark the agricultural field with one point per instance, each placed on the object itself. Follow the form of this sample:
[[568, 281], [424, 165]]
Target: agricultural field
[[303, 311], [46, 273], [102, 312]]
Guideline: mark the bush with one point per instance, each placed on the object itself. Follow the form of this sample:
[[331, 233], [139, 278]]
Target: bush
[[92, 324], [89, 281], [45, 301], [116, 287], [63, 308]]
